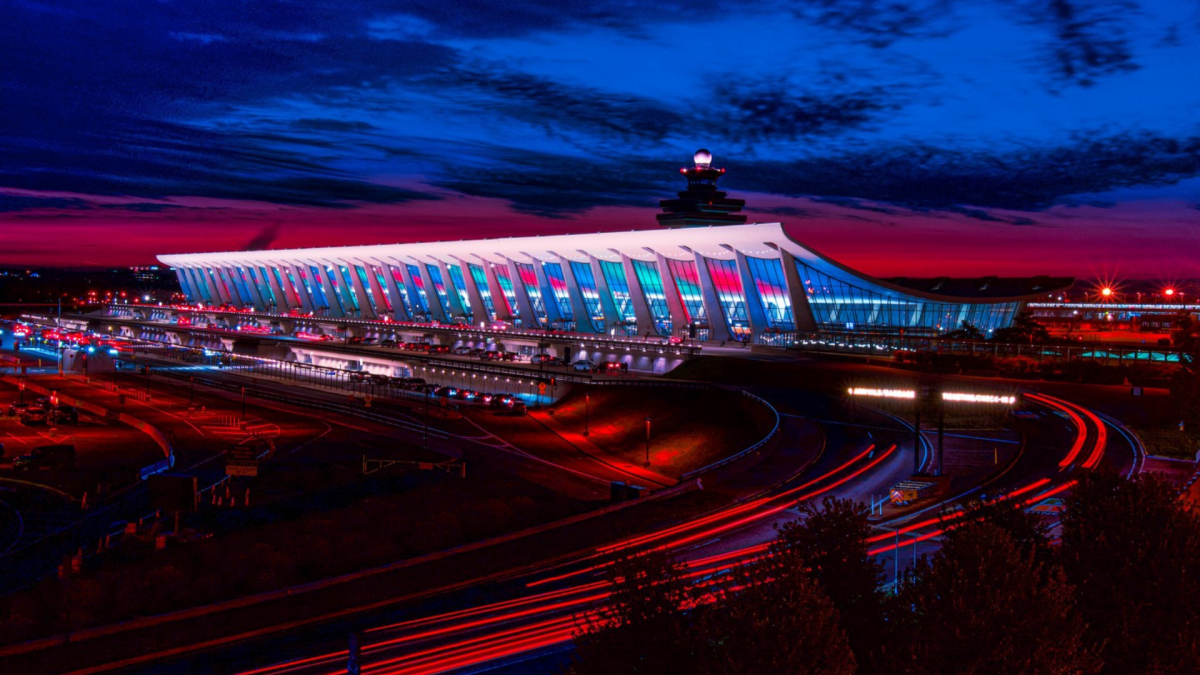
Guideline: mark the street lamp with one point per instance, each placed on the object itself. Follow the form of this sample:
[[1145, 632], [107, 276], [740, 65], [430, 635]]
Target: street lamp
[[587, 400], [648, 442]]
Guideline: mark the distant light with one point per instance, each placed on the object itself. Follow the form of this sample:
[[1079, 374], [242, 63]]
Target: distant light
[[145, 298], [978, 398], [1169, 292], [883, 393], [703, 158], [1106, 291]]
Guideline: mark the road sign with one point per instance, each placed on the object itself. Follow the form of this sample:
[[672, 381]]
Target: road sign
[[241, 460]]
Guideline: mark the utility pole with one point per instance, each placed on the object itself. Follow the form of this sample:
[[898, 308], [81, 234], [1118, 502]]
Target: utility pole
[[648, 442]]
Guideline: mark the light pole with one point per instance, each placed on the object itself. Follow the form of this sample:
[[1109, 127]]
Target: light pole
[[192, 391], [587, 400], [648, 442], [243, 404]]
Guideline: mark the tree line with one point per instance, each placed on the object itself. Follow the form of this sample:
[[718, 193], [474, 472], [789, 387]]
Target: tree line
[[1114, 589]]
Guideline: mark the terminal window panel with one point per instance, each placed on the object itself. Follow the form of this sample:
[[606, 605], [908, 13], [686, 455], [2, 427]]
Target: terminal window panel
[[687, 284], [243, 286], [772, 291], [422, 299], [366, 286], [381, 281], [479, 276], [558, 288], [460, 285], [296, 287], [241, 296], [439, 286], [261, 282], [185, 285], [728, 285], [656, 297], [219, 284], [402, 288], [618, 289], [506, 288], [844, 305], [530, 282], [289, 288], [319, 298], [347, 287], [198, 276], [586, 282]]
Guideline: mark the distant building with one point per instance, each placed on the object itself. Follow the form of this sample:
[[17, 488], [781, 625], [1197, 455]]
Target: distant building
[[707, 275]]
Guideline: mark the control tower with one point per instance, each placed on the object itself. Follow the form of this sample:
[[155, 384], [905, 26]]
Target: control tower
[[701, 204]]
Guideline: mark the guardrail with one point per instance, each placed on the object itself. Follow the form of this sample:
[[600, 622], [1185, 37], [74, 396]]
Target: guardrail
[[751, 449]]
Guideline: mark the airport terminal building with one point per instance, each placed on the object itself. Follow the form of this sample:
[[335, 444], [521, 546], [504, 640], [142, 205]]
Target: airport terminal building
[[705, 274]]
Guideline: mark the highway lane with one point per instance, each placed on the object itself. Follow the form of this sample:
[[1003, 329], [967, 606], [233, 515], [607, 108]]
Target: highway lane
[[535, 630]]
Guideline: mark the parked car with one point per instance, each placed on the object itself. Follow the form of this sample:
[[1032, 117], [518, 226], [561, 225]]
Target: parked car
[[17, 407], [518, 408], [64, 414], [462, 351], [439, 349], [389, 344], [583, 365], [32, 417], [555, 361], [46, 457], [448, 392], [540, 358]]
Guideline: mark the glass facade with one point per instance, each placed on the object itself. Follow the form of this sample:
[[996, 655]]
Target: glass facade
[[381, 281], [260, 281], [586, 281], [558, 289], [506, 288], [319, 299], [198, 276], [530, 283], [652, 290], [346, 288], [220, 285], [460, 285], [860, 305], [402, 287], [366, 286], [479, 276], [728, 285], [421, 298], [439, 286], [618, 289], [772, 292], [296, 289], [687, 285]]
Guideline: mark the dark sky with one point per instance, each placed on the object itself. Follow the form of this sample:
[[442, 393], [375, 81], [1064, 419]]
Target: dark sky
[[921, 137]]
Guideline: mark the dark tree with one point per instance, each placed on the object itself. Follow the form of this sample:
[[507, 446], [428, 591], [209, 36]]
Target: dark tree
[[643, 628], [965, 331], [1132, 550], [1029, 531], [1185, 384], [770, 619], [985, 607], [830, 542], [1024, 329]]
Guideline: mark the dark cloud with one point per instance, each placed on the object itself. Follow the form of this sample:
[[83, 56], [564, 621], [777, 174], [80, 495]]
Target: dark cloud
[[879, 23], [773, 112], [264, 238], [143, 207], [1029, 180], [13, 203], [1089, 37], [320, 124], [564, 108]]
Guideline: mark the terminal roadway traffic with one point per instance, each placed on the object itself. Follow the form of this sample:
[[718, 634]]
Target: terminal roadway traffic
[[538, 624]]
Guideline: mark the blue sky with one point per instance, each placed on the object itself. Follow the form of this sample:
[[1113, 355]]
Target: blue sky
[[1057, 136]]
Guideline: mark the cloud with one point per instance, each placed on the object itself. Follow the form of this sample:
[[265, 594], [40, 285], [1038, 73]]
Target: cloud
[[10, 203], [320, 124], [1089, 37], [264, 238], [772, 112]]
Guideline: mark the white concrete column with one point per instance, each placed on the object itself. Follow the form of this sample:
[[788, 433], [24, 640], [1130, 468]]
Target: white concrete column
[[480, 312], [802, 311], [366, 303], [754, 307], [452, 297], [611, 316], [583, 318], [641, 310], [435, 302], [529, 318], [674, 304], [718, 323]]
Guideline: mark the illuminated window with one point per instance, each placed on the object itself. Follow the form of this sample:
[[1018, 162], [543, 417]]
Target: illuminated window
[[506, 288], [381, 281], [366, 286], [218, 280], [772, 292], [730, 296], [421, 297], [839, 304], [687, 284], [198, 277], [618, 289], [558, 289], [296, 289], [319, 298], [263, 284], [402, 288], [652, 290], [586, 282], [479, 276], [460, 285], [439, 286], [530, 283]]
